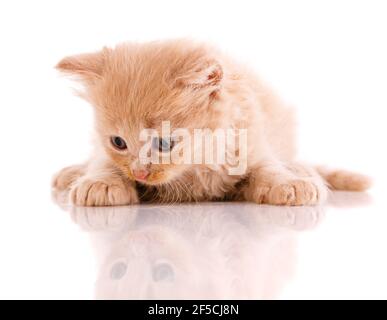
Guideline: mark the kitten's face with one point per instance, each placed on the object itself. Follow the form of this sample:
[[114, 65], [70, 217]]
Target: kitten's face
[[135, 87]]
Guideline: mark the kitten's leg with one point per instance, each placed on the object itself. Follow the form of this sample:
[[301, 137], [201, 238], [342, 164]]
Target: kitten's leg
[[65, 177], [96, 186], [289, 184]]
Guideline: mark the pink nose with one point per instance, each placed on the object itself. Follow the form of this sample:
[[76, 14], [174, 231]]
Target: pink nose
[[141, 174]]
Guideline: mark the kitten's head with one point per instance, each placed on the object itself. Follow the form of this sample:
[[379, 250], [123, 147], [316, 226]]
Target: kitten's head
[[138, 86]]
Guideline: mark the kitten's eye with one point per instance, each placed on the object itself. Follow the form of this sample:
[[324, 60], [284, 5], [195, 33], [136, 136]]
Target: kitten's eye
[[118, 143], [163, 145], [163, 272]]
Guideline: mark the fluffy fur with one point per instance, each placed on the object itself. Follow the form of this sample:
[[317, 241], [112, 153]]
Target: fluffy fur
[[136, 86]]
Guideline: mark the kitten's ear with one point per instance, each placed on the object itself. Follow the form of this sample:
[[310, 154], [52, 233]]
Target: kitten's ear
[[88, 66], [209, 75]]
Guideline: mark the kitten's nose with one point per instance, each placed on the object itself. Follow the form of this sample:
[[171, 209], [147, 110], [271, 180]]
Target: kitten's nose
[[141, 174]]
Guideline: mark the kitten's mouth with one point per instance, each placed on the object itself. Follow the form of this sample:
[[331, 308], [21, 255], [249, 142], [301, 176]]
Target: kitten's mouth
[[141, 174], [146, 177]]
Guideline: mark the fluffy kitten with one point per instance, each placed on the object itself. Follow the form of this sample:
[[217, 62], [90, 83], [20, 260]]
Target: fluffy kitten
[[136, 86]]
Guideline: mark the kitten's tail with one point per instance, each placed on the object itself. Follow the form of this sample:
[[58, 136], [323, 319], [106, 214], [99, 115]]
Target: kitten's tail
[[345, 180]]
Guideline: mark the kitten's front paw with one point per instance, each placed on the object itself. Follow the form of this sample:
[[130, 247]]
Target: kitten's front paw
[[109, 192], [65, 177], [296, 192]]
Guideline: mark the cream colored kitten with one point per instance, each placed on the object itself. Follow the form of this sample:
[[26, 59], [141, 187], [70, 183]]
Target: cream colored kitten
[[135, 86]]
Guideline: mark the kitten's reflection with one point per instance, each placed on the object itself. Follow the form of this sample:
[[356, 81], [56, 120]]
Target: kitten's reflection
[[194, 251]]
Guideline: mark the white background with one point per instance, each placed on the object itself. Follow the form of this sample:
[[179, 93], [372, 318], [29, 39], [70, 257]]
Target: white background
[[327, 58]]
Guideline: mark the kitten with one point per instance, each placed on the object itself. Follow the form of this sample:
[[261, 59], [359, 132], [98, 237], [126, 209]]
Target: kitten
[[135, 86]]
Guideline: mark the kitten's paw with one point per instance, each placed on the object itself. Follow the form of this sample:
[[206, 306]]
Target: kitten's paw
[[109, 192], [65, 177], [296, 192]]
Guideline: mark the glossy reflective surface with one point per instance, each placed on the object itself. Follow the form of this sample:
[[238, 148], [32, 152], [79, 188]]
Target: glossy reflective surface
[[204, 251], [208, 251]]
